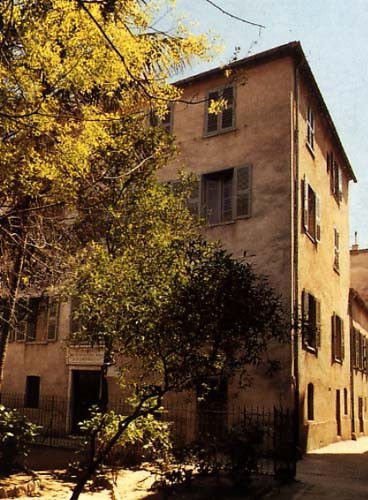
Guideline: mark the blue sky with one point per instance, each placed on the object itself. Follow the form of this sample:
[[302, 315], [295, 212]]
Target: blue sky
[[334, 37]]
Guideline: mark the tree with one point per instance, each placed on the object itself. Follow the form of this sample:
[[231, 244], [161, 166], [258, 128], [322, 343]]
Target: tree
[[176, 309], [69, 71]]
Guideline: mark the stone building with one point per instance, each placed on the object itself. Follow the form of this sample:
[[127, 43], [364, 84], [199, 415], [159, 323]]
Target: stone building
[[273, 184]]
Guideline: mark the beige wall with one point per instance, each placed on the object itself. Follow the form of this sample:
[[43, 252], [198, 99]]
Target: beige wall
[[359, 272], [262, 137], [317, 275]]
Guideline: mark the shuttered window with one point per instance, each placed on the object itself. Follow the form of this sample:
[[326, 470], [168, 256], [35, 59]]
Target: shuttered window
[[311, 212], [52, 318], [336, 177], [311, 321], [336, 249], [226, 195], [310, 128], [337, 338], [32, 315], [224, 120]]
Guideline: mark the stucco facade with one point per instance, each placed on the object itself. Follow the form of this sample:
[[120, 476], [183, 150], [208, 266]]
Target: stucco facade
[[273, 182]]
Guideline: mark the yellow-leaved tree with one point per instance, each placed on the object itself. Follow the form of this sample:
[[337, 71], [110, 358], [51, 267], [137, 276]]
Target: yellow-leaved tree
[[69, 70]]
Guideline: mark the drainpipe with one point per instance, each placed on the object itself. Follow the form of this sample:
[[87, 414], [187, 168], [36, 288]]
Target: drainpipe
[[295, 288], [353, 433]]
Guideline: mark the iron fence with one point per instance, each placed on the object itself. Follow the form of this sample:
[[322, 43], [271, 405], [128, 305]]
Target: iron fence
[[272, 430]]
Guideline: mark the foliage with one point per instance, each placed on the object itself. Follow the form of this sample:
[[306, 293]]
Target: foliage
[[147, 436], [16, 435], [72, 71]]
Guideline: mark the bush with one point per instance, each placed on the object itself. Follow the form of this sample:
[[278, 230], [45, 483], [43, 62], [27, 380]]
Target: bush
[[17, 433]]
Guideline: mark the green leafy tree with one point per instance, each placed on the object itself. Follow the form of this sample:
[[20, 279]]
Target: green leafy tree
[[176, 309]]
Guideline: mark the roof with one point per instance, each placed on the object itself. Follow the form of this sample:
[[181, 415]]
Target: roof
[[294, 50]]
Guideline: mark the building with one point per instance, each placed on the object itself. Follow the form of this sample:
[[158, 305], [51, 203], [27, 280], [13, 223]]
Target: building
[[273, 183]]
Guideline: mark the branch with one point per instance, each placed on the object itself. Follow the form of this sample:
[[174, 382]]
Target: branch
[[260, 26]]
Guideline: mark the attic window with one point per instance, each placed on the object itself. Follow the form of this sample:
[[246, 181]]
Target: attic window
[[224, 120]]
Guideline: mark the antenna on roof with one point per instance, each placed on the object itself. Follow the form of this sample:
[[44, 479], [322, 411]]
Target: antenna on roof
[[355, 247]]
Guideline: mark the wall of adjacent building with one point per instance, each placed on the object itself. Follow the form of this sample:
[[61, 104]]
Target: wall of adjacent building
[[317, 275]]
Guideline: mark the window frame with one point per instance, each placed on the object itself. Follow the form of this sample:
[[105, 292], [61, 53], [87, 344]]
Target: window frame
[[337, 339], [311, 322], [311, 129], [311, 212], [336, 261], [219, 117]]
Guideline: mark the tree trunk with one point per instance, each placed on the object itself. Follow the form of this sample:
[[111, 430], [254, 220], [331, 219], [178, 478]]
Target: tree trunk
[[9, 306]]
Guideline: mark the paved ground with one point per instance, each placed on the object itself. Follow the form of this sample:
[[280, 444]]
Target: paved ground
[[338, 471]]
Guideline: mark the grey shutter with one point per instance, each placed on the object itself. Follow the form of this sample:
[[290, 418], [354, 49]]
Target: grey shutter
[[211, 118], [342, 336], [20, 319], [193, 202], [227, 199], [305, 317], [318, 217], [305, 204], [333, 337], [352, 343], [33, 307], [243, 180], [227, 118], [333, 174], [339, 183], [52, 318], [318, 324], [213, 198], [75, 323]]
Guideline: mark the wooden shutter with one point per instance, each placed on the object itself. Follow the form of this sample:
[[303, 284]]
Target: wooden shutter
[[336, 248], [342, 337], [333, 337], [75, 322], [352, 344], [193, 202], [213, 200], [211, 118], [227, 118], [318, 217], [305, 317], [20, 320], [357, 346], [227, 198], [318, 324], [243, 182], [339, 181], [33, 307], [52, 318], [305, 203]]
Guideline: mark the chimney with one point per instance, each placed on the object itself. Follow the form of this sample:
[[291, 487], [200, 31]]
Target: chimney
[[355, 247]]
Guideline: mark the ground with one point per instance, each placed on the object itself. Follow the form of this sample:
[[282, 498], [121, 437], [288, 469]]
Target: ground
[[336, 471]]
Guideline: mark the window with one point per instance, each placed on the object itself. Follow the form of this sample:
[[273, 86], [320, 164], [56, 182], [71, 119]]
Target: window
[[336, 250], [337, 336], [311, 212], [218, 197], [222, 196], [225, 119], [335, 177], [345, 401], [310, 128], [165, 122], [52, 318], [75, 321], [32, 396], [36, 319], [310, 402], [311, 314], [359, 346]]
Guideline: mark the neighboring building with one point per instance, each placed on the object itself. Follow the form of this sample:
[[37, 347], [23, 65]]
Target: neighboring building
[[273, 183]]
